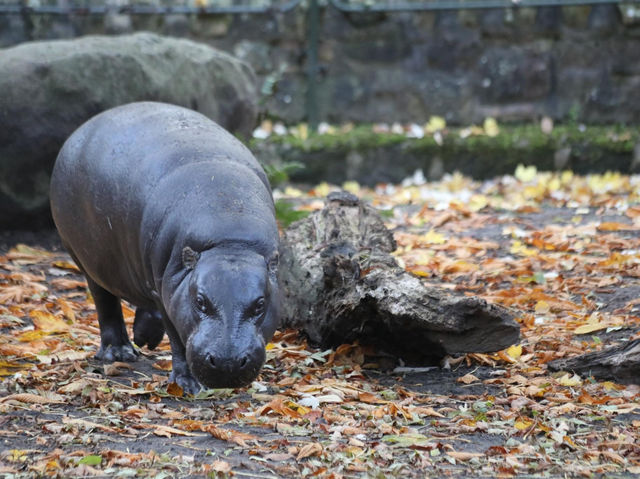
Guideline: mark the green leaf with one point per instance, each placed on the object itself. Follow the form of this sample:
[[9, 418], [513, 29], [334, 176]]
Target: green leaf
[[92, 460], [286, 214]]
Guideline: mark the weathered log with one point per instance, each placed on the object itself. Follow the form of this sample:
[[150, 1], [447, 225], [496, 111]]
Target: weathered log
[[618, 363], [341, 284]]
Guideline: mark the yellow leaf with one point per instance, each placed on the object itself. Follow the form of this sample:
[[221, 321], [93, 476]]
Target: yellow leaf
[[351, 187], [436, 123], [49, 323], [66, 265], [566, 177], [491, 127], [570, 381], [323, 189], [301, 131], [542, 307], [293, 192], [433, 237], [590, 328], [515, 351], [522, 424], [525, 173], [477, 202], [29, 336], [518, 248]]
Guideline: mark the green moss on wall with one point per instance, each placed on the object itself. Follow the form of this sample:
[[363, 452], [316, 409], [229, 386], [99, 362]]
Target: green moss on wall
[[369, 157]]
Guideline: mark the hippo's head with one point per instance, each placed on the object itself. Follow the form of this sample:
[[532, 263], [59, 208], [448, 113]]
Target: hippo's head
[[225, 311]]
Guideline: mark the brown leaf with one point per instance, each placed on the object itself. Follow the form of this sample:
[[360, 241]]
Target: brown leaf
[[467, 379], [370, 398], [168, 431], [614, 226], [162, 365], [175, 390], [221, 466], [115, 368], [308, 450], [229, 435], [464, 456], [34, 398]]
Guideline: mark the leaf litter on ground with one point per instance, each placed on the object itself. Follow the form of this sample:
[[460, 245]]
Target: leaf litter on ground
[[561, 250]]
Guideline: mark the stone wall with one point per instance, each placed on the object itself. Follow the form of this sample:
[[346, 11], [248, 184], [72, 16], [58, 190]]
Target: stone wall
[[571, 63]]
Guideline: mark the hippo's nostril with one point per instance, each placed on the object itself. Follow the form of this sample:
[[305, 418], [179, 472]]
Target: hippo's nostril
[[211, 360], [244, 361]]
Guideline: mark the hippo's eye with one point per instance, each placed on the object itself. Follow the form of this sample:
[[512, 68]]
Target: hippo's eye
[[257, 310], [201, 303]]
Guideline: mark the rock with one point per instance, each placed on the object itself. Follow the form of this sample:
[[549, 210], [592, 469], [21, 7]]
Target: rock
[[549, 20], [492, 23], [513, 74], [51, 88], [605, 19], [341, 284]]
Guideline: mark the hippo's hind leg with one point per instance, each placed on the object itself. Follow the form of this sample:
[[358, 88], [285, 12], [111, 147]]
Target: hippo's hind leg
[[148, 328], [114, 341]]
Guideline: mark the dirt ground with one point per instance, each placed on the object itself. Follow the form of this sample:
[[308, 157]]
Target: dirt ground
[[483, 416]]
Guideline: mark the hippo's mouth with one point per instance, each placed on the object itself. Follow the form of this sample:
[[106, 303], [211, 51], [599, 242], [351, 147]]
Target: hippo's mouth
[[224, 379], [226, 373]]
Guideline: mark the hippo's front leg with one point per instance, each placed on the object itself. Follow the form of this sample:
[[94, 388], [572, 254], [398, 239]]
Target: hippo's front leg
[[180, 372]]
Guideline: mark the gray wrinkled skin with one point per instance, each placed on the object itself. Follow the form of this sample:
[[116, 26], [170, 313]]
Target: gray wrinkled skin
[[162, 207]]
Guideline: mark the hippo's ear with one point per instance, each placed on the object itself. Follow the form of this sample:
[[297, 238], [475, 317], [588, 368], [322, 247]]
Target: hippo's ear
[[189, 257], [272, 263]]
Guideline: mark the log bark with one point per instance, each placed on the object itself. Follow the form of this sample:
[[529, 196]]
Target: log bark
[[618, 363], [341, 284]]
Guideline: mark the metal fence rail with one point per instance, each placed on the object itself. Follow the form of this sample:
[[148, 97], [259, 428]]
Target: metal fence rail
[[83, 8]]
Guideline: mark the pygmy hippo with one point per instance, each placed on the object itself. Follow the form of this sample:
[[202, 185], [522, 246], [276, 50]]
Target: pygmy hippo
[[162, 207]]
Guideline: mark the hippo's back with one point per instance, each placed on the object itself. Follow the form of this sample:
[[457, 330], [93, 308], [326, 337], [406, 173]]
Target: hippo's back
[[110, 174]]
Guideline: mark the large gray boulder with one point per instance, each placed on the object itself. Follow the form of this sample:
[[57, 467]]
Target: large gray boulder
[[51, 88]]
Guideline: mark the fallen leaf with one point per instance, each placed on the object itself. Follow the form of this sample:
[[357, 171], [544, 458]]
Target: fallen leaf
[[229, 435], [115, 368], [168, 431], [464, 456], [175, 390], [48, 323], [467, 379], [222, 467], [309, 450], [34, 398]]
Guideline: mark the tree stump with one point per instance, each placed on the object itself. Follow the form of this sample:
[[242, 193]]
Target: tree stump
[[618, 363], [341, 284]]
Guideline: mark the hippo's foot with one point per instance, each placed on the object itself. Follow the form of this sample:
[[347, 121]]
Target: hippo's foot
[[123, 352], [187, 382], [148, 328]]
